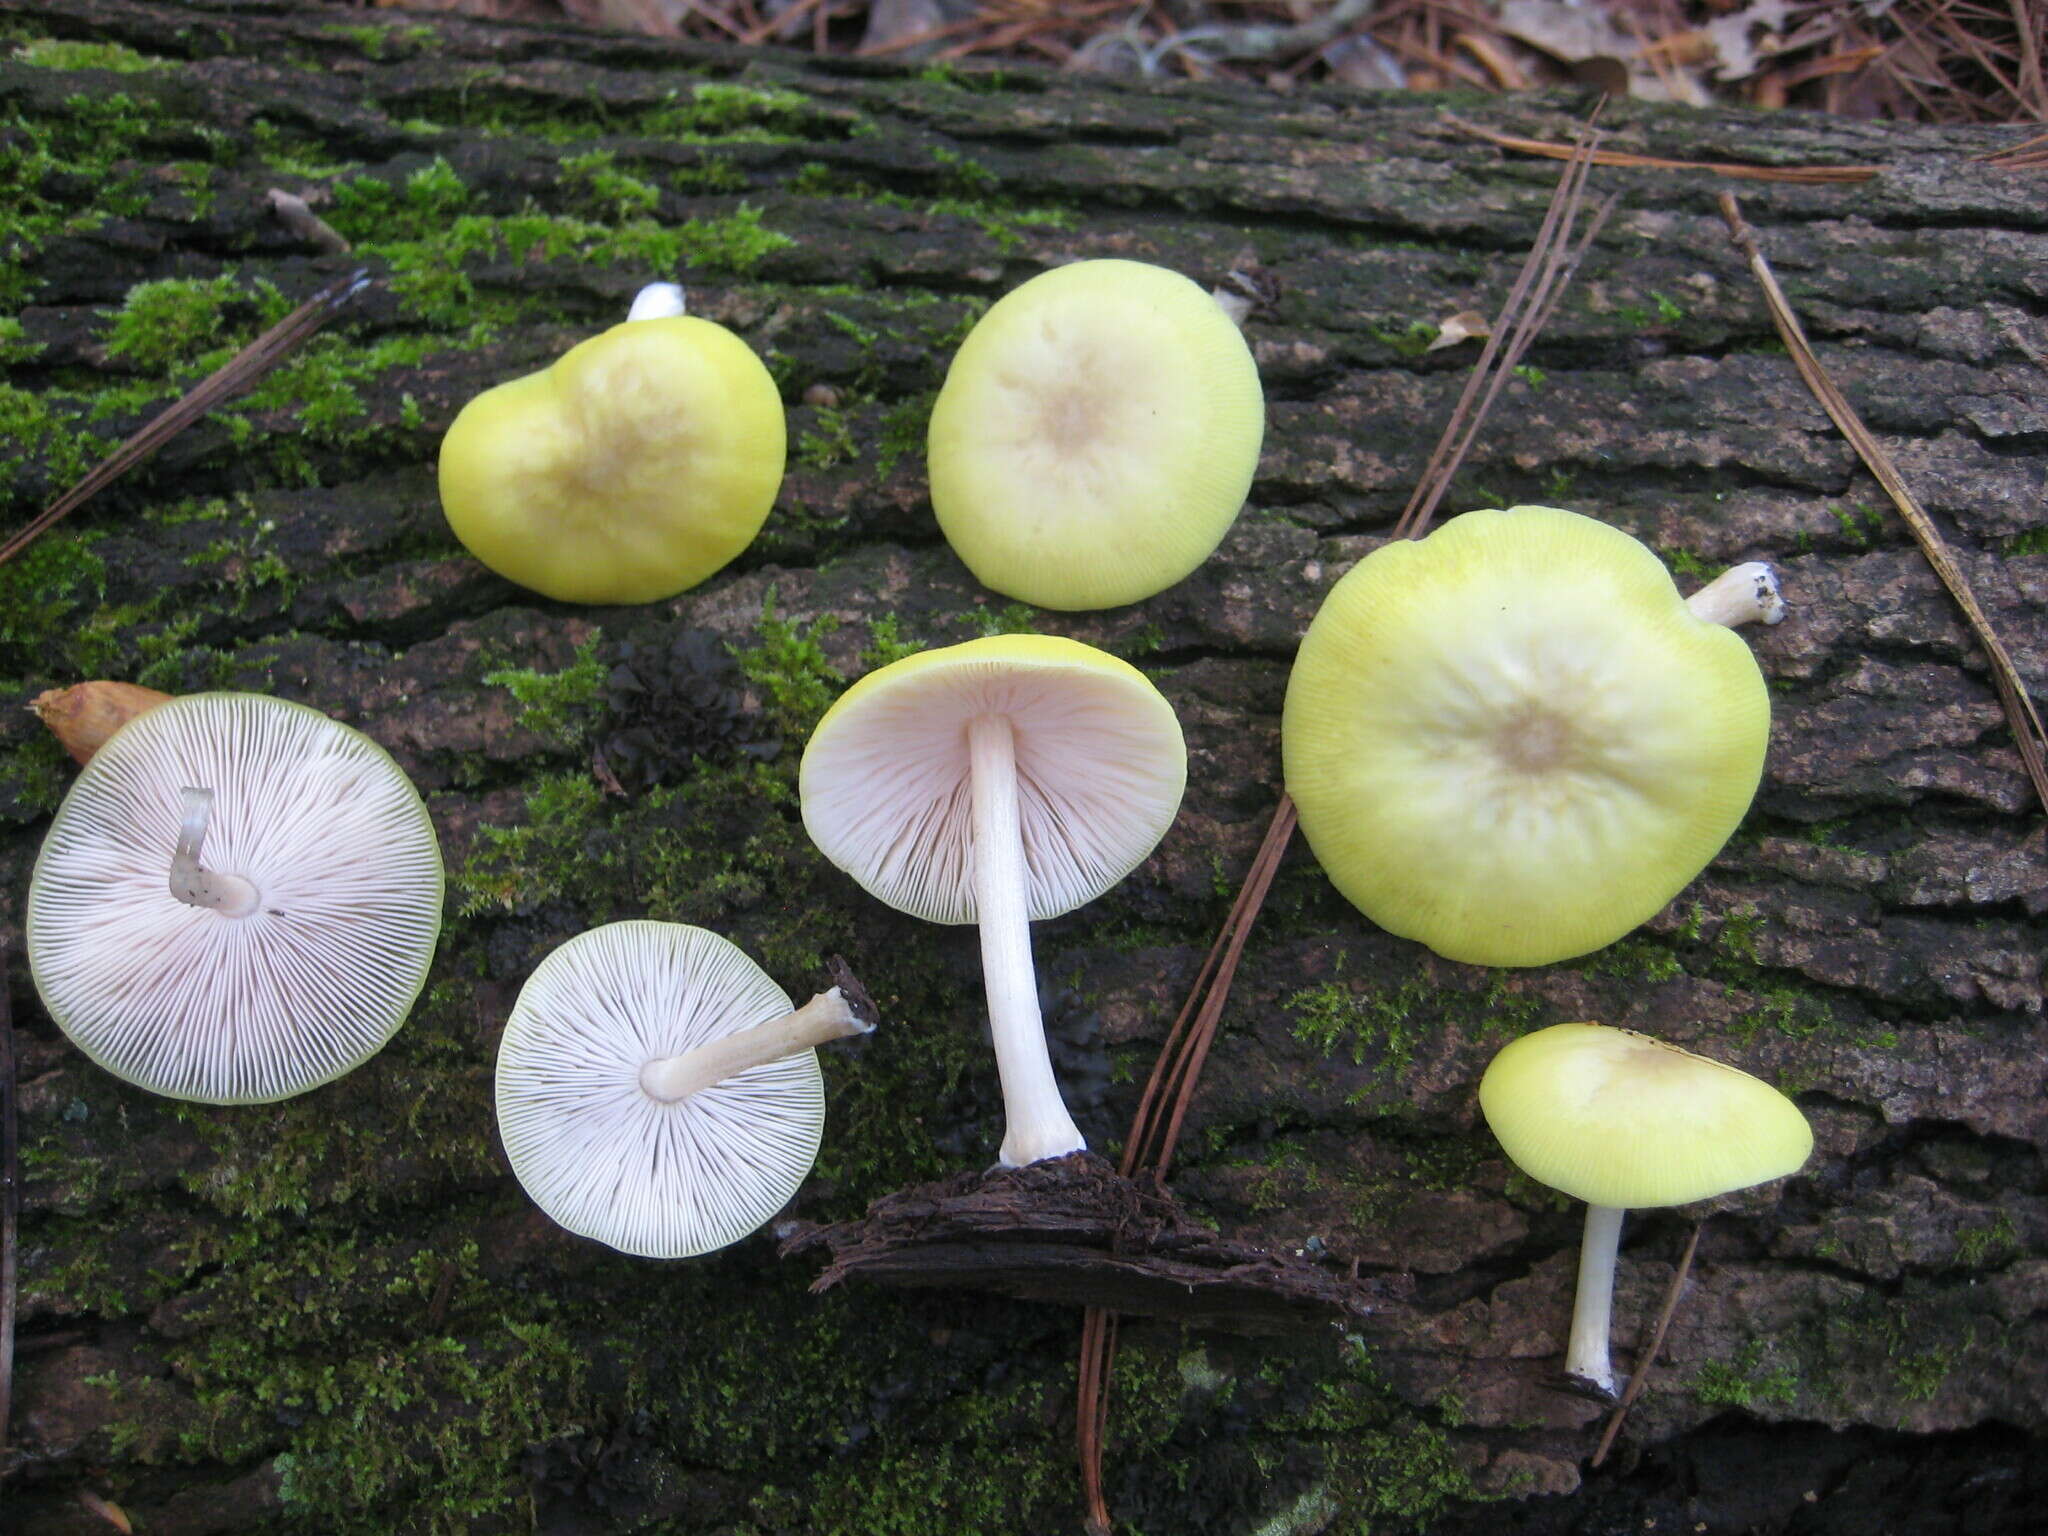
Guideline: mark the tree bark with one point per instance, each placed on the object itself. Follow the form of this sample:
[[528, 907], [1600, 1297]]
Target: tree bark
[[341, 1313]]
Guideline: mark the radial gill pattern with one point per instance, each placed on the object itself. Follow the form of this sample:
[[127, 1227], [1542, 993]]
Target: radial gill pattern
[[1100, 764], [186, 1001], [604, 1158]]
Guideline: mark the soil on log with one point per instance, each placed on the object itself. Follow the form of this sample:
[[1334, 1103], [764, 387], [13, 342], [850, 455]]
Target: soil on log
[[339, 1313]]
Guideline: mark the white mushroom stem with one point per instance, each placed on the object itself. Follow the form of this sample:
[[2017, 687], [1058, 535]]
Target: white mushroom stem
[[657, 301], [1038, 1125], [229, 895], [825, 1018], [1593, 1311], [1742, 594]]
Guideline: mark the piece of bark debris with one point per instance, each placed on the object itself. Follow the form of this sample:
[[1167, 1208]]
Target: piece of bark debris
[[1073, 1230]]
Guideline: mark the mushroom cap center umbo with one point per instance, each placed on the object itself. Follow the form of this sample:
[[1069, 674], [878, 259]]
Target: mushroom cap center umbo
[[1511, 741], [1096, 435], [1535, 740]]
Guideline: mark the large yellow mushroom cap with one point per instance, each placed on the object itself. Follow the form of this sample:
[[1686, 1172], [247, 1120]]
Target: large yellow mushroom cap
[[1618, 1119], [1096, 435], [1512, 741], [638, 464]]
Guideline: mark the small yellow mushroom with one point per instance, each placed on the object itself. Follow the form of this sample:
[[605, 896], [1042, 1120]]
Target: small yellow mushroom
[[635, 466]]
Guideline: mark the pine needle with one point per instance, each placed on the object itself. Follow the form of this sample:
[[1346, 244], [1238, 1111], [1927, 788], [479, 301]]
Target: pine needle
[[2027, 731], [1155, 1128], [1805, 175], [1648, 1357], [237, 374]]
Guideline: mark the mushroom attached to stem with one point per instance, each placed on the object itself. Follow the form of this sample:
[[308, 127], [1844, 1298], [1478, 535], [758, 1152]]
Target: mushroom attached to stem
[[632, 468], [287, 958], [1621, 1120], [1514, 741], [658, 1092], [1000, 782]]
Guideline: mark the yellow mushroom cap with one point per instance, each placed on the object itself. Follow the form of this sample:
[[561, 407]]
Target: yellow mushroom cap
[[1512, 741], [1616, 1118], [1096, 435], [639, 463], [1100, 764]]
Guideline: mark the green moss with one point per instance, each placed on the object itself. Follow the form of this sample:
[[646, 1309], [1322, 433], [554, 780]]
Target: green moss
[[15, 347], [369, 208], [1988, 1245], [396, 42], [2033, 542], [1754, 1376], [1861, 525], [829, 443], [738, 242], [714, 173], [1380, 1025], [44, 592], [562, 705], [906, 425], [1410, 341], [722, 109], [789, 666], [613, 193], [293, 154], [172, 323], [33, 778], [57, 53], [1010, 619], [1001, 220], [886, 643], [90, 140]]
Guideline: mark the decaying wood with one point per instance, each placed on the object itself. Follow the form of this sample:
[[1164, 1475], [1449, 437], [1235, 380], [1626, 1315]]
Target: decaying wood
[[1074, 1230], [252, 1318]]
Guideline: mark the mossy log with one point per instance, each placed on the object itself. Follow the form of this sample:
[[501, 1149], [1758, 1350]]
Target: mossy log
[[340, 1313]]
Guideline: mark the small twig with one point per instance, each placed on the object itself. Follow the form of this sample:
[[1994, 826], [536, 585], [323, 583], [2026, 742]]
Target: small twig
[[296, 215], [1804, 174], [231, 379], [10, 1201], [2028, 734], [2027, 155], [1648, 1357], [1530, 302]]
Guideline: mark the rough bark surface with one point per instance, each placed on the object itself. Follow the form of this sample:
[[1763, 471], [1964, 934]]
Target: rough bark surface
[[341, 1313]]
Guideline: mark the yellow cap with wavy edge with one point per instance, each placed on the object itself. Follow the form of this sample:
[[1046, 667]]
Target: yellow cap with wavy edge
[[1512, 741], [639, 463], [1101, 766], [1619, 1119], [1096, 435]]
